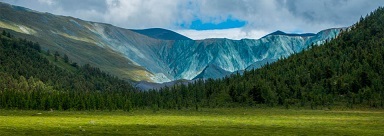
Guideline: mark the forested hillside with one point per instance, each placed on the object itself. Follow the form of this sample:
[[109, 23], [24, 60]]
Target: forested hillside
[[347, 72], [344, 72], [29, 80]]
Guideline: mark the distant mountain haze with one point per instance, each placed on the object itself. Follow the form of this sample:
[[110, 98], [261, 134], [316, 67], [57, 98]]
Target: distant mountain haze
[[152, 55]]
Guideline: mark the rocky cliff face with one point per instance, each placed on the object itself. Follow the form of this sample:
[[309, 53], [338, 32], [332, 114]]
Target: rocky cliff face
[[187, 59]]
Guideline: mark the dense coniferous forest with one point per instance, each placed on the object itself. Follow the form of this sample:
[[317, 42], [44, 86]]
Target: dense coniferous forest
[[346, 72]]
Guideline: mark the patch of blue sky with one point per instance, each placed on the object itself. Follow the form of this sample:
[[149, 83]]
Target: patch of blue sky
[[227, 24]]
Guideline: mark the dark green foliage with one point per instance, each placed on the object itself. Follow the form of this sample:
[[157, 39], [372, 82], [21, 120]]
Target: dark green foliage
[[29, 81], [7, 34], [48, 53], [66, 59], [56, 55], [74, 64]]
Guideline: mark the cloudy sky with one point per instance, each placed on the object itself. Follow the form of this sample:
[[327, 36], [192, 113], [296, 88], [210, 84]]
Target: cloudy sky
[[199, 19]]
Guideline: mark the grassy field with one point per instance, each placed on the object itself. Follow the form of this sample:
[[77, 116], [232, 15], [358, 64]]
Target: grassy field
[[205, 122]]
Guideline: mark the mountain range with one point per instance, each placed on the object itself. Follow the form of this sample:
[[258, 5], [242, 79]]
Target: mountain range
[[152, 55]]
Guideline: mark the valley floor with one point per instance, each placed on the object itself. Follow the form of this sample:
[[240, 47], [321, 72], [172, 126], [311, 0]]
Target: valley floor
[[237, 121]]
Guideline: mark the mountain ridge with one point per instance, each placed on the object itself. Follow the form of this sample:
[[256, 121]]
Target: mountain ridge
[[212, 71], [160, 33], [133, 56], [278, 32]]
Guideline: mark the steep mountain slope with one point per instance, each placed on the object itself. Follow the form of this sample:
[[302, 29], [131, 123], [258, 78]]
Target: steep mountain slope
[[212, 71], [144, 55], [76, 38]]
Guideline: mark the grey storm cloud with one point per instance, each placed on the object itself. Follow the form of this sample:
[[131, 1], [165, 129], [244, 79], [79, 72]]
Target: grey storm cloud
[[265, 15], [334, 11]]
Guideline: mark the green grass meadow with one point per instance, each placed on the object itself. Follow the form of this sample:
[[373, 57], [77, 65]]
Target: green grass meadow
[[237, 121]]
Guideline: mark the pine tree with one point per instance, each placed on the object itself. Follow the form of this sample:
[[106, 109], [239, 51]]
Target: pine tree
[[56, 55], [66, 59]]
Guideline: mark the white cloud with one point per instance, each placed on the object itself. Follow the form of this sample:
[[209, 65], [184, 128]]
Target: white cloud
[[234, 33], [48, 2], [141, 13]]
